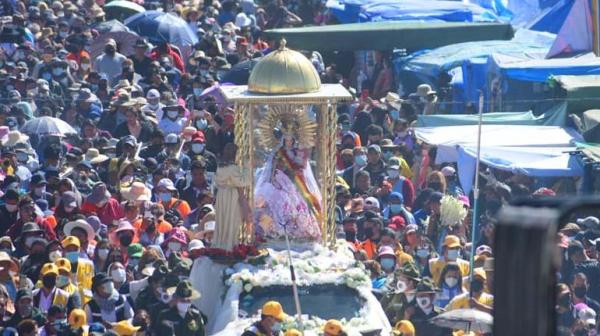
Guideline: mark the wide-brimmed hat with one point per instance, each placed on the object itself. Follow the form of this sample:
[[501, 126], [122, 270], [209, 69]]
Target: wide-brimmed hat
[[85, 95], [184, 290], [124, 225], [93, 156], [137, 192], [31, 227], [393, 99], [408, 270], [424, 89], [7, 261], [426, 286], [15, 137], [99, 194], [82, 224]]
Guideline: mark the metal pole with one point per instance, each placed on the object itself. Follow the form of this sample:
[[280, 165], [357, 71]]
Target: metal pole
[[596, 42], [476, 191], [294, 285]]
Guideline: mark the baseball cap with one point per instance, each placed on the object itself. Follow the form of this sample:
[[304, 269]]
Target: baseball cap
[[171, 138], [274, 309], [448, 171]]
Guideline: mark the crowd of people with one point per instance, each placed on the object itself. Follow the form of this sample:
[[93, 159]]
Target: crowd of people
[[99, 229]]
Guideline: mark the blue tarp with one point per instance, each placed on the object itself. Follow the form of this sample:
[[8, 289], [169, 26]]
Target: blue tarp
[[540, 70], [551, 19], [352, 11], [556, 116]]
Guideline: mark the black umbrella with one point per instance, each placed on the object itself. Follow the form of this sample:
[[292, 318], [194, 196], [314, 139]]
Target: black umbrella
[[240, 72]]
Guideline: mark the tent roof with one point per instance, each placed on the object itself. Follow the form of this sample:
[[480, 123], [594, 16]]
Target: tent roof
[[410, 35], [539, 70]]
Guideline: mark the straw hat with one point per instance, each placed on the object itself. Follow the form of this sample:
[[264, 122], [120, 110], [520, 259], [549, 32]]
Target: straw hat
[[93, 156], [137, 192], [7, 261], [15, 137], [82, 224]]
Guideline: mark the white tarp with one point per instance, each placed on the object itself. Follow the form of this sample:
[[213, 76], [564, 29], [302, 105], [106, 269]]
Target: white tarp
[[448, 138], [531, 161]]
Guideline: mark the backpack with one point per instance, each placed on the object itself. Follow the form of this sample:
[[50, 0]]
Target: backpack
[[172, 215]]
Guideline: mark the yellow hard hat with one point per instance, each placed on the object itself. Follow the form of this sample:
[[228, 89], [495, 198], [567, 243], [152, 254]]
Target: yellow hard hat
[[125, 328], [77, 318], [293, 332], [63, 264], [404, 328], [71, 240], [274, 309], [49, 268]]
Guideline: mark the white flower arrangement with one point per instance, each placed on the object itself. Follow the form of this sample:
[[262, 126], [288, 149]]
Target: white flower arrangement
[[452, 211]]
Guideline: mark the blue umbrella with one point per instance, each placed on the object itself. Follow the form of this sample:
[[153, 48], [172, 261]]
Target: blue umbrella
[[162, 27]]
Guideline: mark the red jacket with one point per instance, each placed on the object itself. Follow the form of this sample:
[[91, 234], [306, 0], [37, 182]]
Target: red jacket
[[177, 61]]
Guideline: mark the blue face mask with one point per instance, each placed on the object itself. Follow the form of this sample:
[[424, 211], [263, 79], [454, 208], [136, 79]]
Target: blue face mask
[[396, 208], [165, 197], [395, 115], [73, 257], [387, 155], [360, 160], [422, 253], [387, 263], [201, 124]]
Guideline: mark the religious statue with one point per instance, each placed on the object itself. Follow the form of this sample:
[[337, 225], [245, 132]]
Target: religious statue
[[287, 197]]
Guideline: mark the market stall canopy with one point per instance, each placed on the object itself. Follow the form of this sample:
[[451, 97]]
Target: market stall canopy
[[448, 138], [581, 92], [409, 35], [555, 116], [531, 161], [351, 11]]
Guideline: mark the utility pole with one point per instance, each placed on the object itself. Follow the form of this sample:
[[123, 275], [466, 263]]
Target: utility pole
[[595, 26]]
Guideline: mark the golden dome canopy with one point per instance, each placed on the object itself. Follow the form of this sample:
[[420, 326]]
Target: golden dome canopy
[[284, 71]]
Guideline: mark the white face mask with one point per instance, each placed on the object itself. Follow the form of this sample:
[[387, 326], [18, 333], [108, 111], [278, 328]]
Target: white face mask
[[452, 254], [173, 114], [197, 148], [392, 173], [451, 281], [85, 66], [409, 297], [423, 302], [118, 275], [103, 253], [183, 307], [401, 286], [39, 191], [54, 255], [108, 287], [174, 246], [11, 207]]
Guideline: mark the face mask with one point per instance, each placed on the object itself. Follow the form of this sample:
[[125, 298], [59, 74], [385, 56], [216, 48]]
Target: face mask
[[69, 209], [410, 297], [133, 262], [396, 208], [39, 191], [197, 148], [580, 292], [197, 91], [183, 307], [47, 76], [350, 236], [388, 264], [85, 66], [201, 124], [394, 114], [108, 287], [54, 255], [451, 281], [360, 160], [369, 233], [164, 296], [29, 241], [11, 207], [423, 302], [452, 254], [477, 285], [57, 71], [49, 281], [203, 72], [422, 253], [387, 155], [165, 197], [118, 275], [62, 281], [73, 257], [63, 34], [392, 173], [401, 286], [174, 246], [125, 239], [103, 253], [402, 134], [173, 114]]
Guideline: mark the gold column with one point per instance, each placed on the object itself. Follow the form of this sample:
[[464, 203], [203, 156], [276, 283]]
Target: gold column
[[331, 150], [322, 165], [243, 140]]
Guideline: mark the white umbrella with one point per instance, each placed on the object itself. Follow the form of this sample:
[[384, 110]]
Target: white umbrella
[[47, 126], [465, 319]]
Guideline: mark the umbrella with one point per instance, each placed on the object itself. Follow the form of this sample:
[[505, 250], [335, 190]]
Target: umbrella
[[465, 319], [214, 92], [240, 72], [47, 126], [117, 31], [162, 27], [121, 9]]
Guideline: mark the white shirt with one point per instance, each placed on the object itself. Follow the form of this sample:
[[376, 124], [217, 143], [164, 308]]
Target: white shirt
[[169, 126], [46, 301]]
